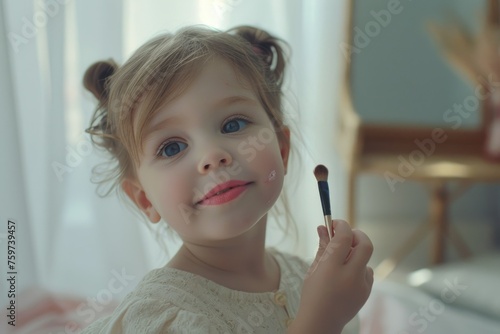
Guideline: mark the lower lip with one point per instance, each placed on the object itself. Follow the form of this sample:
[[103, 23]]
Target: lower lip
[[225, 197]]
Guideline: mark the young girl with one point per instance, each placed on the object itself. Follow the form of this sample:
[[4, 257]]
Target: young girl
[[195, 123]]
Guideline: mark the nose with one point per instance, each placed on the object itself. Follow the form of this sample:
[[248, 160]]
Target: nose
[[213, 159]]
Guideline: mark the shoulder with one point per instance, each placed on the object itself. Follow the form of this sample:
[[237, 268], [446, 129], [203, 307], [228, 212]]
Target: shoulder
[[158, 306], [135, 315]]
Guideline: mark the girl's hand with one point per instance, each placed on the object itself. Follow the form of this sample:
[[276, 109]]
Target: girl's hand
[[338, 282]]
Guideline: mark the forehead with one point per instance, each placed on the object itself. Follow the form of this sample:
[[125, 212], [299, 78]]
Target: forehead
[[217, 75], [216, 81]]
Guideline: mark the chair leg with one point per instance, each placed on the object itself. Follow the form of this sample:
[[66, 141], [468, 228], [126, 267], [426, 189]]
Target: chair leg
[[439, 219], [441, 199], [453, 235]]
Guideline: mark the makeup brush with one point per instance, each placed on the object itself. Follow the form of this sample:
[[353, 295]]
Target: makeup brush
[[321, 173]]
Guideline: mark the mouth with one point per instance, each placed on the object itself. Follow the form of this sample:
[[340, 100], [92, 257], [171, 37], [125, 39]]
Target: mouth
[[223, 193]]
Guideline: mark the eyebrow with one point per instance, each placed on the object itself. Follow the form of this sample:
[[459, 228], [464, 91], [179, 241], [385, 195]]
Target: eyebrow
[[222, 103]]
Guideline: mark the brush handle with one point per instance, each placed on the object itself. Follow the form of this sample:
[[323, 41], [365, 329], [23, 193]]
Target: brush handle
[[329, 225], [324, 194]]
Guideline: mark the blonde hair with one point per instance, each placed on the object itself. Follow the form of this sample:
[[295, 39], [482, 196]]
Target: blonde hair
[[162, 69]]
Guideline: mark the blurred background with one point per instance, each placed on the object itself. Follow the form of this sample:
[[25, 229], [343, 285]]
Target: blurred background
[[71, 242]]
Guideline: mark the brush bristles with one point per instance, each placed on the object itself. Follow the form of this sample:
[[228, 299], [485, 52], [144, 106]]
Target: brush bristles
[[321, 173]]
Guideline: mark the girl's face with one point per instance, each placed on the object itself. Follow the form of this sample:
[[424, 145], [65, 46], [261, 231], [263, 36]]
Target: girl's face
[[212, 165]]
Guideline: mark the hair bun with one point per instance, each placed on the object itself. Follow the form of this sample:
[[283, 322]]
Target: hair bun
[[267, 46], [96, 78]]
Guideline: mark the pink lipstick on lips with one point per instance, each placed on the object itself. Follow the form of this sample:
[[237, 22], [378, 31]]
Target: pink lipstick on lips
[[224, 192]]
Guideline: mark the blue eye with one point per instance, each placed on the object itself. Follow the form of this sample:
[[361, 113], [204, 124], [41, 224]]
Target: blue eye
[[234, 125], [172, 148]]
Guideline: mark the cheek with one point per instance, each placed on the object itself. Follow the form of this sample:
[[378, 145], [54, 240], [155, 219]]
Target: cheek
[[272, 162], [167, 194], [272, 176], [271, 172], [274, 186]]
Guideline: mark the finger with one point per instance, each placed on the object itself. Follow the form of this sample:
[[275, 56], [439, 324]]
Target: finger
[[369, 277], [362, 249], [323, 242], [340, 245], [324, 239]]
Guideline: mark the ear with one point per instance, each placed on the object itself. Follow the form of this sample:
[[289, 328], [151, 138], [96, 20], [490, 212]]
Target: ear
[[285, 146], [136, 193]]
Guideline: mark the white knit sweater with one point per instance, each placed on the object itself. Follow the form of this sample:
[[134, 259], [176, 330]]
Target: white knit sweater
[[168, 300]]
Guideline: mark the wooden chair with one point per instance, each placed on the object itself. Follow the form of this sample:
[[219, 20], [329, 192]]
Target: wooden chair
[[442, 155]]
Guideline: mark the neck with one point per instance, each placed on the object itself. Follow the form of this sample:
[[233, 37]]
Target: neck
[[239, 257], [243, 256]]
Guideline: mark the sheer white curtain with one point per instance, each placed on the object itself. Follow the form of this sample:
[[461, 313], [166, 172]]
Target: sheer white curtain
[[70, 240]]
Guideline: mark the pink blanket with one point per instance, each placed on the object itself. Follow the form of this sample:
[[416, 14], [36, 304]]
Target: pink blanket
[[38, 311]]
